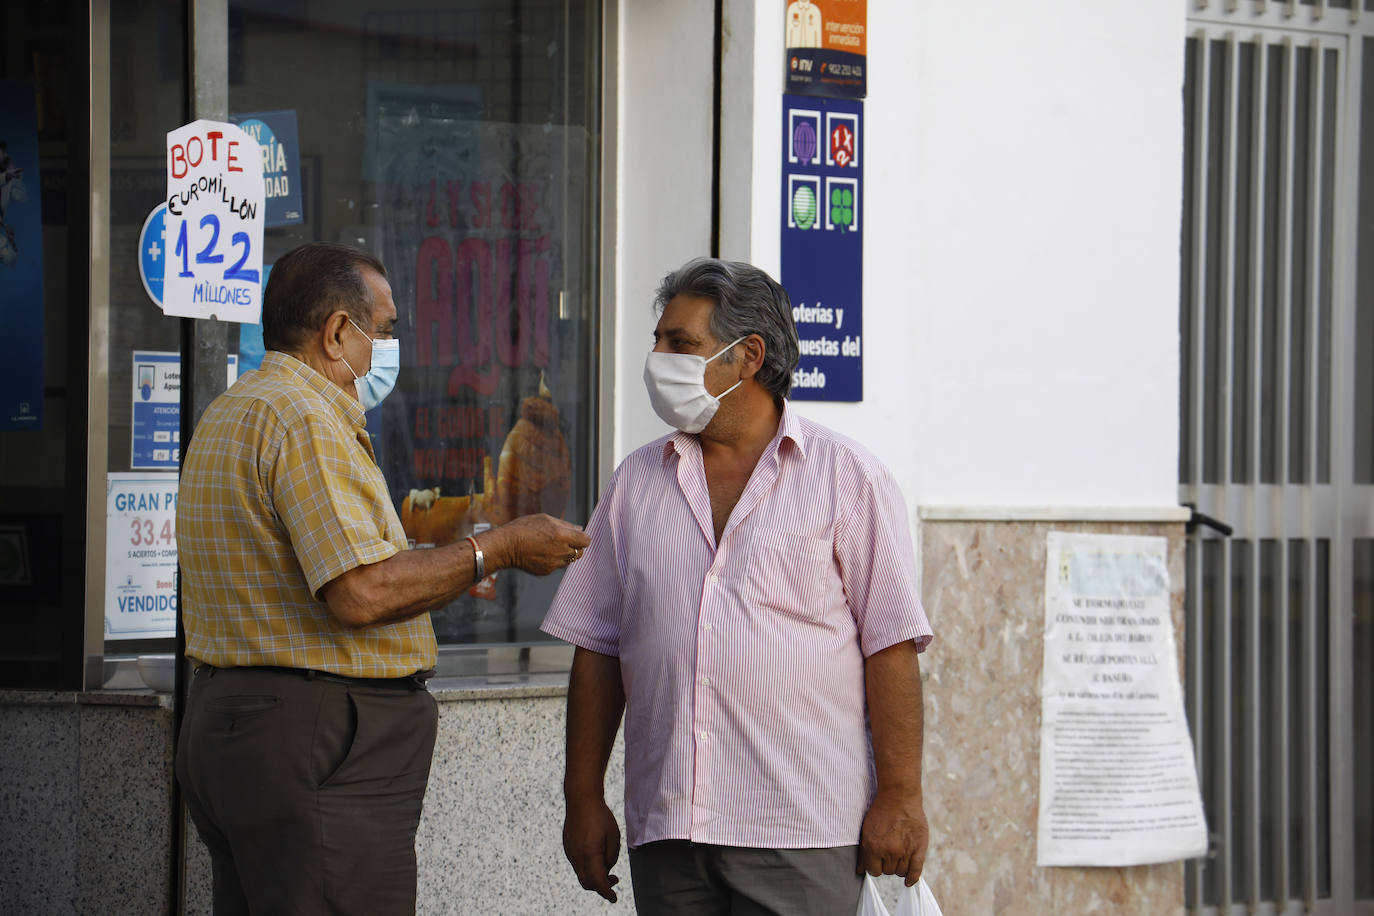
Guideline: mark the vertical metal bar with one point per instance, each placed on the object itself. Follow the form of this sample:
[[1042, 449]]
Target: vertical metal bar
[[1283, 889], [1310, 609], [1256, 305], [1226, 371], [1283, 433], [1195, 674], [1199, 255], [204, 351], [1314, 257], [1222, 659], [98, 346], [1309, 735], [1349, 68], [1257, 261]]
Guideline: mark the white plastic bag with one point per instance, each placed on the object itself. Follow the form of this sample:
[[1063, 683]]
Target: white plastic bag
[[916, 900]]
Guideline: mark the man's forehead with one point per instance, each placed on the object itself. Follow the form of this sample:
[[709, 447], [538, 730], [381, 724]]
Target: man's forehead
[[383, 306], [686, 313]]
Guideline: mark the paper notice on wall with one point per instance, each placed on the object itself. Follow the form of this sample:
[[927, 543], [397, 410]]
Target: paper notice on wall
[[1118, 783]]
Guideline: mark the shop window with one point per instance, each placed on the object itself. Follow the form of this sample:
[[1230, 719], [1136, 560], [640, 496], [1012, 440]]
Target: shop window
[[455, 141]]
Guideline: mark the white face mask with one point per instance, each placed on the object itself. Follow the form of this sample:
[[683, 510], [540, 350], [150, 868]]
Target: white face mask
[[677, 389]]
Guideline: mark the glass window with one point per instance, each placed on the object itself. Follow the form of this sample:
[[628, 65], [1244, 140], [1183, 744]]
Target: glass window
[[457, 142]]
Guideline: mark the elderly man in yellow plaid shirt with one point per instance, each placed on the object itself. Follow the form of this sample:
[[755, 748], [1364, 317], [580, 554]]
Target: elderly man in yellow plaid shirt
[[308, 735]]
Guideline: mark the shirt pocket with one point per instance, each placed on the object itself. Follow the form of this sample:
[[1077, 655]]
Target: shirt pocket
[[790, 573]]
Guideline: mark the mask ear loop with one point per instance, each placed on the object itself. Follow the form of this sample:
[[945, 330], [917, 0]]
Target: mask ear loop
[[345, 361]]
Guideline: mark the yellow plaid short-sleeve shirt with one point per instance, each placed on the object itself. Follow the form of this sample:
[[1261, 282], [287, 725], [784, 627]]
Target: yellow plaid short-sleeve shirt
[[280, 494]]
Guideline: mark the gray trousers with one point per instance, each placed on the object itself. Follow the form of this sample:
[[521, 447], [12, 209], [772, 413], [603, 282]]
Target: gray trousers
[[307, 792], [680, 878]]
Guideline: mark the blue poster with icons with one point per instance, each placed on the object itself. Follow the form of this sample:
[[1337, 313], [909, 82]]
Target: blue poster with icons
[[21, 261], [822, 243], [277, 137]]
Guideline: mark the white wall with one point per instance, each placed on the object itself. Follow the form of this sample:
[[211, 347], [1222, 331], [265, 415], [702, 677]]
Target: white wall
[[663, 182], [1023, 195]]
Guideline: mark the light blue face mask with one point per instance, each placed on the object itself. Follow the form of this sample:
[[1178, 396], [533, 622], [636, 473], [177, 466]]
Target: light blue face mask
[[374, 385]]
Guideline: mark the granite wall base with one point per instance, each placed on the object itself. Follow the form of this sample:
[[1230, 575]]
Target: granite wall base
[[983, 585]]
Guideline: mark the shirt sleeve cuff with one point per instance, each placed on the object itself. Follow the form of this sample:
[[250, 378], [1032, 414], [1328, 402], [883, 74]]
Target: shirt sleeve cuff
[[873, 644], [581, 640]]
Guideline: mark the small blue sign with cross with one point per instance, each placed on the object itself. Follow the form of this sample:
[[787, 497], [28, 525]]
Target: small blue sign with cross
[[152, 252]]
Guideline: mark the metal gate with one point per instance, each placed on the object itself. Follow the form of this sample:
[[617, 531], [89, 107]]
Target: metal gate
[[1277, 443]]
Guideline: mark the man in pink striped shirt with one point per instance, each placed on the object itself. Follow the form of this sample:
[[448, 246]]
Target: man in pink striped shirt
[[748, 604]]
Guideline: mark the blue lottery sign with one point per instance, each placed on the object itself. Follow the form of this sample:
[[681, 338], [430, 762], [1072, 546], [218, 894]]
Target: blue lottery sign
[[822, 243], [152, 252], [277, 137]]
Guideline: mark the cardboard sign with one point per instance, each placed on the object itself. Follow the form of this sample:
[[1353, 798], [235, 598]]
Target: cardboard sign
[[215, 217]]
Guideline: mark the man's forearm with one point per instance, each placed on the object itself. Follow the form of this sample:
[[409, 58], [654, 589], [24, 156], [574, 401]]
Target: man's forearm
[[596, 703], [401, 586], [892, 681], [415, 581]]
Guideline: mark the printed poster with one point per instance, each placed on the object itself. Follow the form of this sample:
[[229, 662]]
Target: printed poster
[[1118, 779], [826, 45], [21, 260], [822, 243], [277, 138], [156, 412], [140, 555]]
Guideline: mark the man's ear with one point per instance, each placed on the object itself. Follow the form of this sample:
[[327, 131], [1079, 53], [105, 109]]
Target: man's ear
[[754, 351], [332, 334]]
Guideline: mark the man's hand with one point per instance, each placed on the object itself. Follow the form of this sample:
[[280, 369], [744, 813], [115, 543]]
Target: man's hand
[[537, 544], [591, 840], [894, 837]]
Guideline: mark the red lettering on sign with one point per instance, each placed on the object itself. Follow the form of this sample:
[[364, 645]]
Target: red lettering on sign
[[233, 157], [434, 312], [432, 206], [178, 164]]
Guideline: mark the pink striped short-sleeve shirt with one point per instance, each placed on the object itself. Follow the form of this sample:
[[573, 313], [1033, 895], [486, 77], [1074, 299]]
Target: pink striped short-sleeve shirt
[[743, 663]]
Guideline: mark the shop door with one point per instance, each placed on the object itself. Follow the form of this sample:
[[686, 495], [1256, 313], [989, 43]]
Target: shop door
[[1275, 329]]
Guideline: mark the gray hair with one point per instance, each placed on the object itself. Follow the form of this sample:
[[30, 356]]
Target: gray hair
[[748, 301]]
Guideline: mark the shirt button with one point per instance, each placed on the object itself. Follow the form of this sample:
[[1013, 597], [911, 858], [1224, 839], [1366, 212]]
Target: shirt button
[[707, 626], [703, 736], [706, 682], [714, 578]]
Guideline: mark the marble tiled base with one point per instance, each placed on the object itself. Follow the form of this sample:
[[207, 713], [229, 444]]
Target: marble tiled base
[[84, 801], [983, 586]]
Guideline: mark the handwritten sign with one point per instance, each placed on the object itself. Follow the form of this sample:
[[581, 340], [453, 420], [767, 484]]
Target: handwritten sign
[[215, 217]]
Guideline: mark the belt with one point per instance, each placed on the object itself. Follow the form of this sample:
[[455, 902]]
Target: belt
[[414, 681]]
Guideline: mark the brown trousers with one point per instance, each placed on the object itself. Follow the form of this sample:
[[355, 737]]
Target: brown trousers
[[306, 791]]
